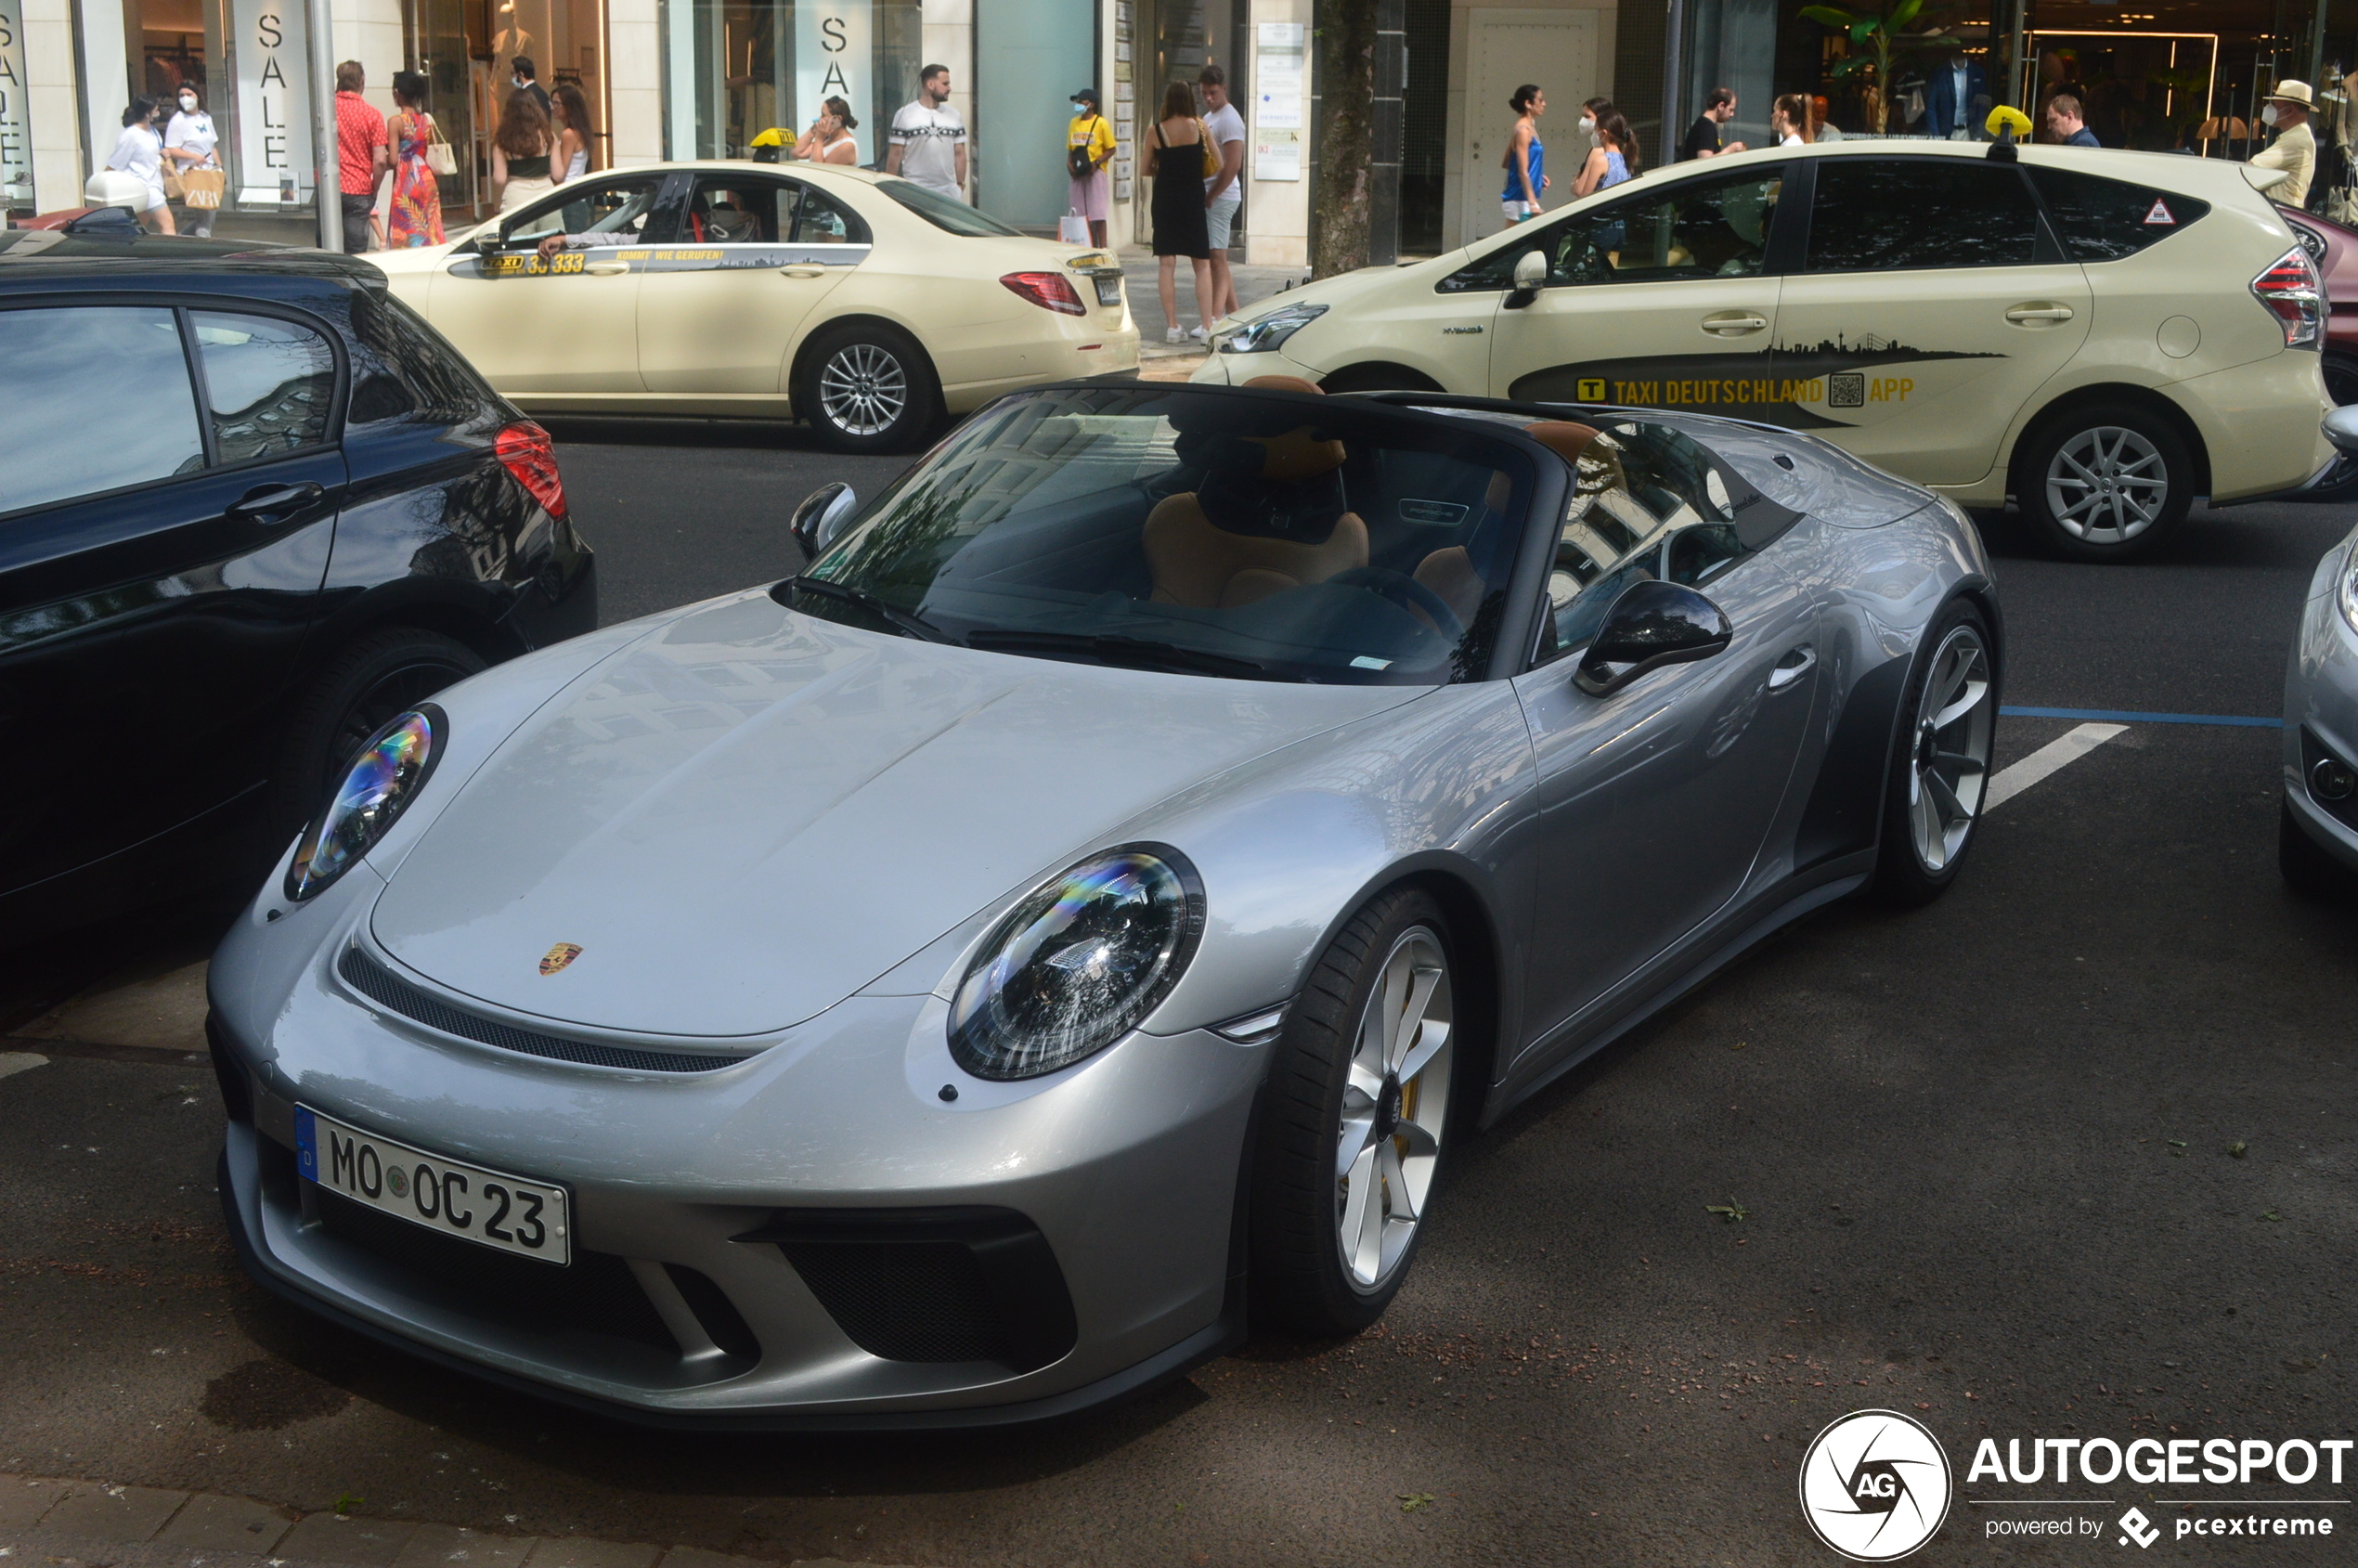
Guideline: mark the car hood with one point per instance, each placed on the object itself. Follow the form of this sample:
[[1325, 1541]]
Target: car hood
[[751, 814]]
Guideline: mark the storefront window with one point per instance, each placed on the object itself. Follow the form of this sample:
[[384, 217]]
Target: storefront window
[[16, 128], [737, 68]]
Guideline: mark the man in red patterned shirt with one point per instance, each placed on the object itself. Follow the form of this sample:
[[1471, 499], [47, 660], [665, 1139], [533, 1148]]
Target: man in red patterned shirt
[[362, 156]]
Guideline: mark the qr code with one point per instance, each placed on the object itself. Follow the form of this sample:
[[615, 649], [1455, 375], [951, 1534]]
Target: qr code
[[1846, 389]]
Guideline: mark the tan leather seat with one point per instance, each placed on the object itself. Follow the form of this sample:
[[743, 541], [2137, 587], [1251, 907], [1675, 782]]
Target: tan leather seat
[[1204, 565], [1450, 573]]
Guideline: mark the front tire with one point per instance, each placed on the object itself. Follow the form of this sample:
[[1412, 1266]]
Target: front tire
[[2104, 482], [866, 388], [1941, 765], [362, 688], [1353, 1130]]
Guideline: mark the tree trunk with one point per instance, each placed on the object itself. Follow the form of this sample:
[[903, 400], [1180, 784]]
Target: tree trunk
[[1346, 86]]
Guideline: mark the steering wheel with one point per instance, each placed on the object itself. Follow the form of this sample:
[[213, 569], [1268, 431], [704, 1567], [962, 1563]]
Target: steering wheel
[[1409, 594]]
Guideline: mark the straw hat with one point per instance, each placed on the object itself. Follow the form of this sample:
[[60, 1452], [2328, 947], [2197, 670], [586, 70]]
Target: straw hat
[[2291, 91]]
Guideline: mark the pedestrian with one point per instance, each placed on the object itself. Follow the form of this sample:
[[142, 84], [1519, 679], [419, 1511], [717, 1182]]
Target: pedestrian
[[1089, 148], [1178, 157], [830, 141], [139, 153], [520, 153], [1612, 159], [1525, 158], [929, 138], [1789, 120], [363, 155], [525, 77], [1703, 141], [2068, 123], [415, 217], [190, 142], [1223, 192], [577, 135], [2295, 149]]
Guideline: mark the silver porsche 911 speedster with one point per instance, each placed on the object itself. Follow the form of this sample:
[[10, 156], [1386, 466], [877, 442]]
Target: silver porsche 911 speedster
[[940, 988]]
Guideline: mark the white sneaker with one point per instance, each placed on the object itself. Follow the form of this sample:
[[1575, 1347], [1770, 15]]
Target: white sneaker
[[1173, 335], [1198, 334]]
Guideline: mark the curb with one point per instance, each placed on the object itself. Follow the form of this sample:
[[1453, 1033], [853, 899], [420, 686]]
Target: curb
[[66, 1520]]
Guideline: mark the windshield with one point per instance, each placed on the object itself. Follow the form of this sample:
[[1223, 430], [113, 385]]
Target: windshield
[[942, 213], [1211, 532]]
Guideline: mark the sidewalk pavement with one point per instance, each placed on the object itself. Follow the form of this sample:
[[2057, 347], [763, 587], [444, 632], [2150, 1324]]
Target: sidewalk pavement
[[90, 1522], [1141, 273]]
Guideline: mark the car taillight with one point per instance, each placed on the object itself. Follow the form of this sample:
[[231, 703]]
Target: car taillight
[[1047, 290], [2290, 291], [527, 452]]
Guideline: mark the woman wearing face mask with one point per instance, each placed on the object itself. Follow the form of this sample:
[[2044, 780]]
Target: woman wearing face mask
[[189, 143], [1525, 158], [520, 153], [1089, 147], [139, 153], [1611, 160], [830, 141]]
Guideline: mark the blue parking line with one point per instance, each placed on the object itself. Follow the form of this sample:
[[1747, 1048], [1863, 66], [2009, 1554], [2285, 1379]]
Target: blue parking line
[[2109, 717]]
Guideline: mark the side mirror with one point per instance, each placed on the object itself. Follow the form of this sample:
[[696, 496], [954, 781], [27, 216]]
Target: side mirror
[[820, 517], [1531, 275], [2342, 428], [1651, 625]]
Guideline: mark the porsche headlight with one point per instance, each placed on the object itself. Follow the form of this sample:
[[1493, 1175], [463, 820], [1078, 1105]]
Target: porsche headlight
[[1266, 332], [1078, 963], [382, 781]]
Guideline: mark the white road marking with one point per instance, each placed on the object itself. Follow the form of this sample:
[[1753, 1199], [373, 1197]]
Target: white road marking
[[2059, 753], [12, 1062]]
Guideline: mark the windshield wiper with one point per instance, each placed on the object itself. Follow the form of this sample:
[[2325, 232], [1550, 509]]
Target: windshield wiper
[[907, 622], [1139, 652]]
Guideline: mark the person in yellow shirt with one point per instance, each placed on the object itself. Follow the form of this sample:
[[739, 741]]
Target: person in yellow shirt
[[2295, 149], [1089, 147]]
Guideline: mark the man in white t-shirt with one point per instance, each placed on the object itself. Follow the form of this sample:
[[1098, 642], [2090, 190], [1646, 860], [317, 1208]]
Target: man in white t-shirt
[[1223, 190], [929, 140]]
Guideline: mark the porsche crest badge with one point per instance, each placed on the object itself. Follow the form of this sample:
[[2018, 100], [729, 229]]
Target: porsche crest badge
[[559, 956]]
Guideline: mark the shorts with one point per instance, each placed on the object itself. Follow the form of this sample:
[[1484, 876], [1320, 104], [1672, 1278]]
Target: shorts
[[1518, 212], [1220, 216], [1088, 196], [154, 200]]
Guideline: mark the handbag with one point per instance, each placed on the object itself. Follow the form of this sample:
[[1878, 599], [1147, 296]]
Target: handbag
[[1079, 160], [173, 190], [204, 188], [439, 157]]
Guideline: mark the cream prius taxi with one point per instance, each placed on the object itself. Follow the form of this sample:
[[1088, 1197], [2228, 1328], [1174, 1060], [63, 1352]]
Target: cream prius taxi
[[2101, 336], [861, 303]]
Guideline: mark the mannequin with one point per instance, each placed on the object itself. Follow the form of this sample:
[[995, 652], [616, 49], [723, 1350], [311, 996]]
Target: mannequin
[[1950, 90]]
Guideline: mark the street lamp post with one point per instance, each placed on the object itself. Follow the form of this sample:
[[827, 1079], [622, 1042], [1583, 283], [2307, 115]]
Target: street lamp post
[[327, 181]]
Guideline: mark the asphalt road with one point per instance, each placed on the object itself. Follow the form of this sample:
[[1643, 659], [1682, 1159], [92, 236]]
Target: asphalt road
[[1982, 1149]]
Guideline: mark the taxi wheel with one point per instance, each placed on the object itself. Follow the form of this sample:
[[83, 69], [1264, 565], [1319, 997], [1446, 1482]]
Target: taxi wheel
[[2104, 482], [866, 388]]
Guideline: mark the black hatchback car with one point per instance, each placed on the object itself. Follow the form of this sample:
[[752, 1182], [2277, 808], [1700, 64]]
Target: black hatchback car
[[251, 508]]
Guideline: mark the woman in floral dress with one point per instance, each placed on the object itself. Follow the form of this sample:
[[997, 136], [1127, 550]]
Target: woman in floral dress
[[415, 216]]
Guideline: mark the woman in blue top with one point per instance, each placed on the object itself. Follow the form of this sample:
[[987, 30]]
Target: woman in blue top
[[1525, 158], [1614, 158]]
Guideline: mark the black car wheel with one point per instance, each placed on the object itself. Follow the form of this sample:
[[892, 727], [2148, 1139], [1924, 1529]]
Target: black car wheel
[[367, 683], [1352, 1132], [2104, 482], [867, 388], [1939, 775]]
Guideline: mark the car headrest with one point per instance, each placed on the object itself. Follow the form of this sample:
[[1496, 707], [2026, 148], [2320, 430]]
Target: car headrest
[[1287, 487], [1566, 438], [1285, 383]]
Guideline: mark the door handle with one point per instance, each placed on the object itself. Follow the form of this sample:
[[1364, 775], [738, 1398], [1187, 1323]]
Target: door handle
[[1792, 668], [607, 268], [268, 503], [1734, 323], [2024, 314], [806, 271]]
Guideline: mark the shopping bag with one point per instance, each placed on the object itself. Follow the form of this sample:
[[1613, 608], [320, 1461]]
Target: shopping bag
[[173, 190], [1072, 229], [439, 158], [204, 188]]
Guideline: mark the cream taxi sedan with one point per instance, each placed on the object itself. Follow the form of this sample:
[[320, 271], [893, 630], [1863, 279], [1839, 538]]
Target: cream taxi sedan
[[861, 303], [2100, 336]]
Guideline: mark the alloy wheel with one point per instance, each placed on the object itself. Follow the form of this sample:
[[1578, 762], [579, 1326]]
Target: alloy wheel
[[1395, 1104], [1949, 761], [863, 389], [2107, 485]]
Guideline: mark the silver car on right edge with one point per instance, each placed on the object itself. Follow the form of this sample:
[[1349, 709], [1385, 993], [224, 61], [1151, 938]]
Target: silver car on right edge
[[2317, 831]]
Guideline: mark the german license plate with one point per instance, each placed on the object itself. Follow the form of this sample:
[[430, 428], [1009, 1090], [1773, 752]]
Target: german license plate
[[1109, 291], [488, 1208]]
